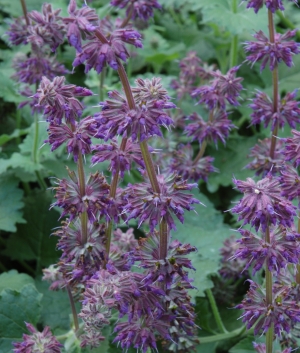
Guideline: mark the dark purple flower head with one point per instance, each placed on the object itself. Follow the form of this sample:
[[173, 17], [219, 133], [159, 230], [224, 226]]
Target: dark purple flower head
[[69, 198], [292, 148], [290, 182], [283, 249], [31, 70], [283, 312], [183, 164], [117, 118], [18, 31], [149, 90], [125, 240], [142, 9], [274, 53], [58, 100], [46, 28], [261, 348], [262, 162], [272, 5], [79, 24], [221, 89], [191, 68], [213, 130], [106, 46], [120, 159], [263, 111], [145, 204], [38, 342], [263, 204]]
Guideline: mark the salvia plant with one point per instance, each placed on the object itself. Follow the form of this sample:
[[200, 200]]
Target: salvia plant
[[136, 145]]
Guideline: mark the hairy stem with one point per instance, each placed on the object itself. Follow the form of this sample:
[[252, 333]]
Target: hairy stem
[[74, 312], [215, 310], [269, 300], [275, 84]]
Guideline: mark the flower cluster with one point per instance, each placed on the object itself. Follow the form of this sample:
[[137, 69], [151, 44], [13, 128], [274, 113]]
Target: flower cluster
[[142, 9]]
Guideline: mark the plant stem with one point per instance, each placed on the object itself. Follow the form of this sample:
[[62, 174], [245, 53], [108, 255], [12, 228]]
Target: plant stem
[[234, 42], [74, 312], [128, 18], [215, 311], [204, 143], [23, 4], [298, 266], [275, 84], [269, 300], [101, 85], [223, 336], [83, 216]]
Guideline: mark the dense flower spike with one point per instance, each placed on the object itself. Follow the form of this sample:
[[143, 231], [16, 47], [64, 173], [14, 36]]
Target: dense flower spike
[[290, 182], [142, 9], [283, 312], [38, 342], [292, 148], [117, 118], [263, 204], [262, 162], [121, 160], [274, 53], [213, 130], [182, 163], [31, 70], [149, 90], [145, 204], [58, 100], [54, 275], [18, 32], [221, 89], [283, 249], [261, 348], [272, 5], [46, 28], [97, 52], [94, 202], [79, 24], [287, 110]]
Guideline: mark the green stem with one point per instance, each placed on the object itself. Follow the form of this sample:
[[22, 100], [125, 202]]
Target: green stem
[[234, 42], [269, 300], [204, 143], [83, 216], [215, 311], [223, 336], [101, 86], [73, 308]]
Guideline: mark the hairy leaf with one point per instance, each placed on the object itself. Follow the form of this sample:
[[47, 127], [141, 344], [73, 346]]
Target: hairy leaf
[[14, 280]]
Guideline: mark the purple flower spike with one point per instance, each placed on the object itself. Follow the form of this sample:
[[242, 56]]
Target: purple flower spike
[[283, 249], [213, 130], [80, 23], [282, 312], [263, 204], [58, 100], [46, 28], [292, 148], [274, 53], [290, 182], [261, 348], [263, 111], [142, 9], [263, 163], [38, 342], [272, 5], [121, 160], [145, 204], [117, 118], [149, 90], [18, 32], [183, 164]]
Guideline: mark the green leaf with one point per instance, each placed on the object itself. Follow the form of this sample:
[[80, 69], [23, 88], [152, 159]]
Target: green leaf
[[32, 240], [16, 308], [10, 203], [244, 346], [14, 280], [206, 231], [6, 138]]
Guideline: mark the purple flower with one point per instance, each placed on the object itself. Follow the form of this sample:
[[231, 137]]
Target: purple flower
[[58, 100], [18, 31], [31, 70], [33, 101], [125, 240], [222, 88], [54, 275], [107, 46], [117, 118], [38, 342], [79, 24], [263, 110], [142, 9], [149, 90], [292, 148], [145, 204], [274, 53], [283, 249], [290, 182], [46, 28], [91, 337], [121, 160], [261, 348], [191, 68], [263, 204], [272, 5], [212, 130], [182, 163], [263, 163], [68, 196], [282, 312]]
